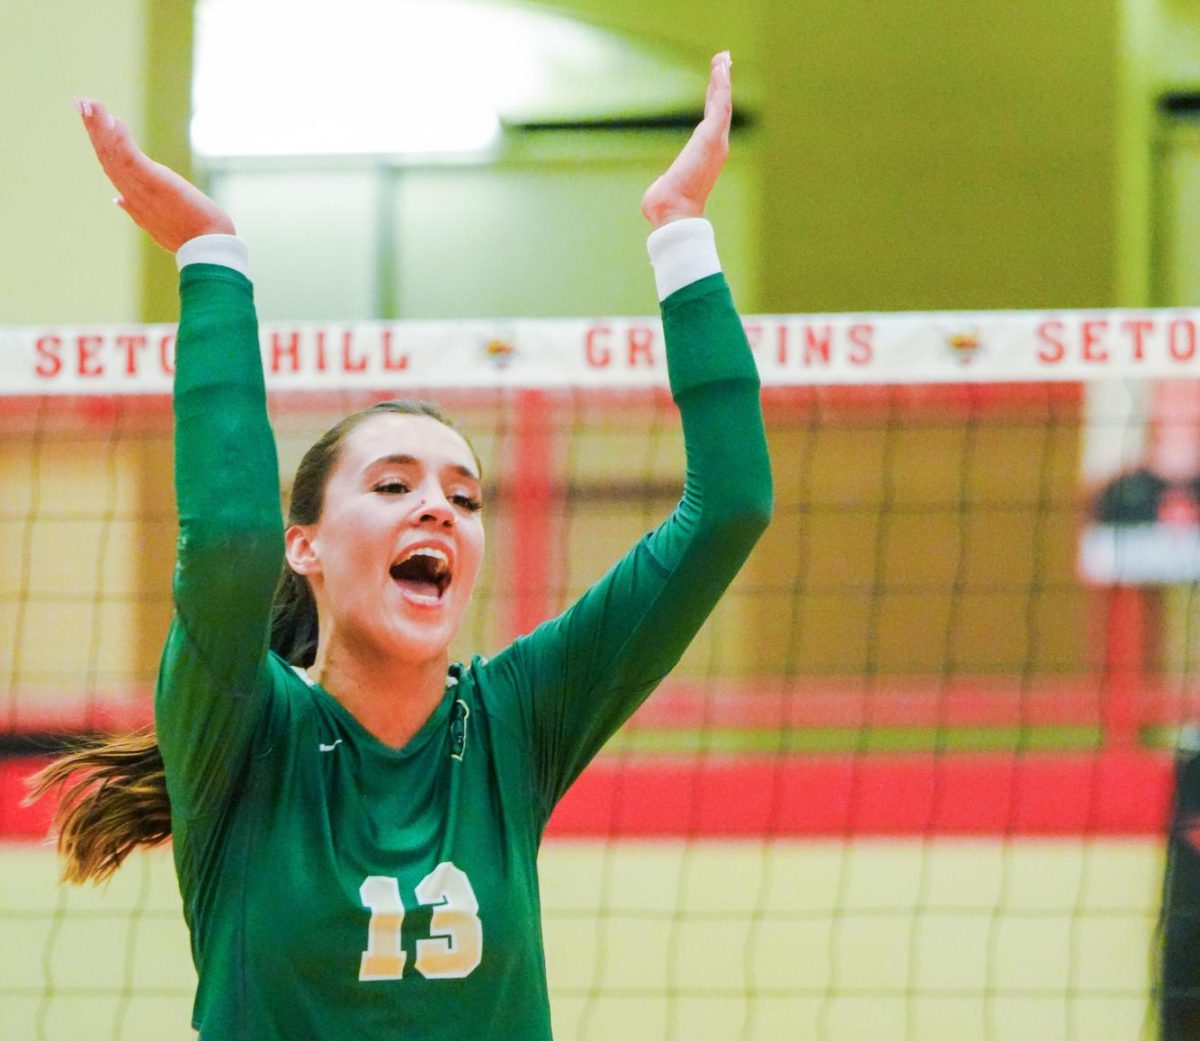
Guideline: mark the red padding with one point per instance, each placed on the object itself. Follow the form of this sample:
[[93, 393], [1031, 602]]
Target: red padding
[[1112, 793], [18, 821]]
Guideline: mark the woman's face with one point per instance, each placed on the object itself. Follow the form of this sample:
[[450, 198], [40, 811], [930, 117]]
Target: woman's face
[[393, 559]]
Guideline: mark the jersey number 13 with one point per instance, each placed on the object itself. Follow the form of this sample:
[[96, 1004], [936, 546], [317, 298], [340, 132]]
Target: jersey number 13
[[455, 944]]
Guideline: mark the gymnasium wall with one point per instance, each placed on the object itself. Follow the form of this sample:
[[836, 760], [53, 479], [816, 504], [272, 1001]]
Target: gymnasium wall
[[912, 155], [63, 257]]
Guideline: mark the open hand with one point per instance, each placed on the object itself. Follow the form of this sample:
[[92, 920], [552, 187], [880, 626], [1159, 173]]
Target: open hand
[[684, 189], [168, 207]]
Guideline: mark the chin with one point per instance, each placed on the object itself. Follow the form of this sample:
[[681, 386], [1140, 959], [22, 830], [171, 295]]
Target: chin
[[412, 628], [419, 643]]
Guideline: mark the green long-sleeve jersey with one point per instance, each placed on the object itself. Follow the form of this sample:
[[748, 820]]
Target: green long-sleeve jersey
[[340, 889]]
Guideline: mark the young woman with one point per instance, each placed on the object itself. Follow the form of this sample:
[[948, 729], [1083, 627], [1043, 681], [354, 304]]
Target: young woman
[[356, 820]]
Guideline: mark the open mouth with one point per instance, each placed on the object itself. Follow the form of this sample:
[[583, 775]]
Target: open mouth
[[423, 573]]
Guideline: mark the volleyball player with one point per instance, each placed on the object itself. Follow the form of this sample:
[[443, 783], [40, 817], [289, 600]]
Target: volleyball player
[[356, 820]]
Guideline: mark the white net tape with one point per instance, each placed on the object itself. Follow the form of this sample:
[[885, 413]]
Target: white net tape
[[792, 350]]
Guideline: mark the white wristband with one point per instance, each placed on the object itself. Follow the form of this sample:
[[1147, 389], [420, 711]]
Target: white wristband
[[225, 250], [682, 252]]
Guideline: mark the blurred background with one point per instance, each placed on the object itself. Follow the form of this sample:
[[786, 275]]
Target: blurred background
[[451, 159], [893, 155]]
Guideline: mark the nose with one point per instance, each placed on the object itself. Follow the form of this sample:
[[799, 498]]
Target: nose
[[433, 508]]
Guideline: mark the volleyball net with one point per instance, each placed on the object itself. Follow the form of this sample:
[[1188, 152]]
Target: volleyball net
[[912, 779]]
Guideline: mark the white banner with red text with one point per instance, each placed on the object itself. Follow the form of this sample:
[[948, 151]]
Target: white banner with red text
[[791, 350]]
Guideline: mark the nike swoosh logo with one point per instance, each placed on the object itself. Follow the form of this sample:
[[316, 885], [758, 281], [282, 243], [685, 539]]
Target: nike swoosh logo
[[330, 748]]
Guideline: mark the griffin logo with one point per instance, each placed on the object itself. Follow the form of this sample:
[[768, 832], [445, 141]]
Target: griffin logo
[[500, 351], [964, 345]]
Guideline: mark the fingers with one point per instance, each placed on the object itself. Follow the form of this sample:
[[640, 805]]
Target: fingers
[[166, 205], [684, 189], [721, 63], [713, 130], [718, 99], [119, 156], [126, 166], [97, 121]]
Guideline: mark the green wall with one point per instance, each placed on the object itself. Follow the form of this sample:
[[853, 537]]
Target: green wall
[[65, 253], [912, 154], [921, 153], [941, 155]]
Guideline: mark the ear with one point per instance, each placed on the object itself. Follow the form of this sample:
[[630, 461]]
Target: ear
[[299, 548]]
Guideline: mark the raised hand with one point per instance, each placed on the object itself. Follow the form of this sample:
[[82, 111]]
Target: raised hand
[[161, 202], [684, 189]]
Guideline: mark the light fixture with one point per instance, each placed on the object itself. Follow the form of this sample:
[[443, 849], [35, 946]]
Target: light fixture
[[358, 76], [416, 77]]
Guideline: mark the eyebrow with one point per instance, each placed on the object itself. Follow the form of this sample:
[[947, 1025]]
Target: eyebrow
[[403, 459]]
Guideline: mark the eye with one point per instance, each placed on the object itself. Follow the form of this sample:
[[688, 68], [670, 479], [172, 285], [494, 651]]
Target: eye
[[391, 486], [466, 503]]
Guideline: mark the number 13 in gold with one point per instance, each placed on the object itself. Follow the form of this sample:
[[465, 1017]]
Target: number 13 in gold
[[455, 944]]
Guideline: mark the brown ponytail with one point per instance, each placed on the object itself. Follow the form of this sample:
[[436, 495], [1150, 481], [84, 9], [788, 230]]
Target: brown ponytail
[[112, 791], [112, 798]]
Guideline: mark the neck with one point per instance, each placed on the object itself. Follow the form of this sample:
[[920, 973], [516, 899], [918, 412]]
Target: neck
[[392, 699]]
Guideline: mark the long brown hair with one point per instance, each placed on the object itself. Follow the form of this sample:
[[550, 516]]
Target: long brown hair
[[112, 791]]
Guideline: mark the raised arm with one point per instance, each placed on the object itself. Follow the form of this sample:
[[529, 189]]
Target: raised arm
[[209, 695], [583, 673]]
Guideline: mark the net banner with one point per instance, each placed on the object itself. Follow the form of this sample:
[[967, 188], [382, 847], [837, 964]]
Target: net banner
[[792, 350]]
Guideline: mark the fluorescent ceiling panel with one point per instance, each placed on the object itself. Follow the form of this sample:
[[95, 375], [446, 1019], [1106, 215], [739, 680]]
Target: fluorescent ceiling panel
[[411, 77]]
